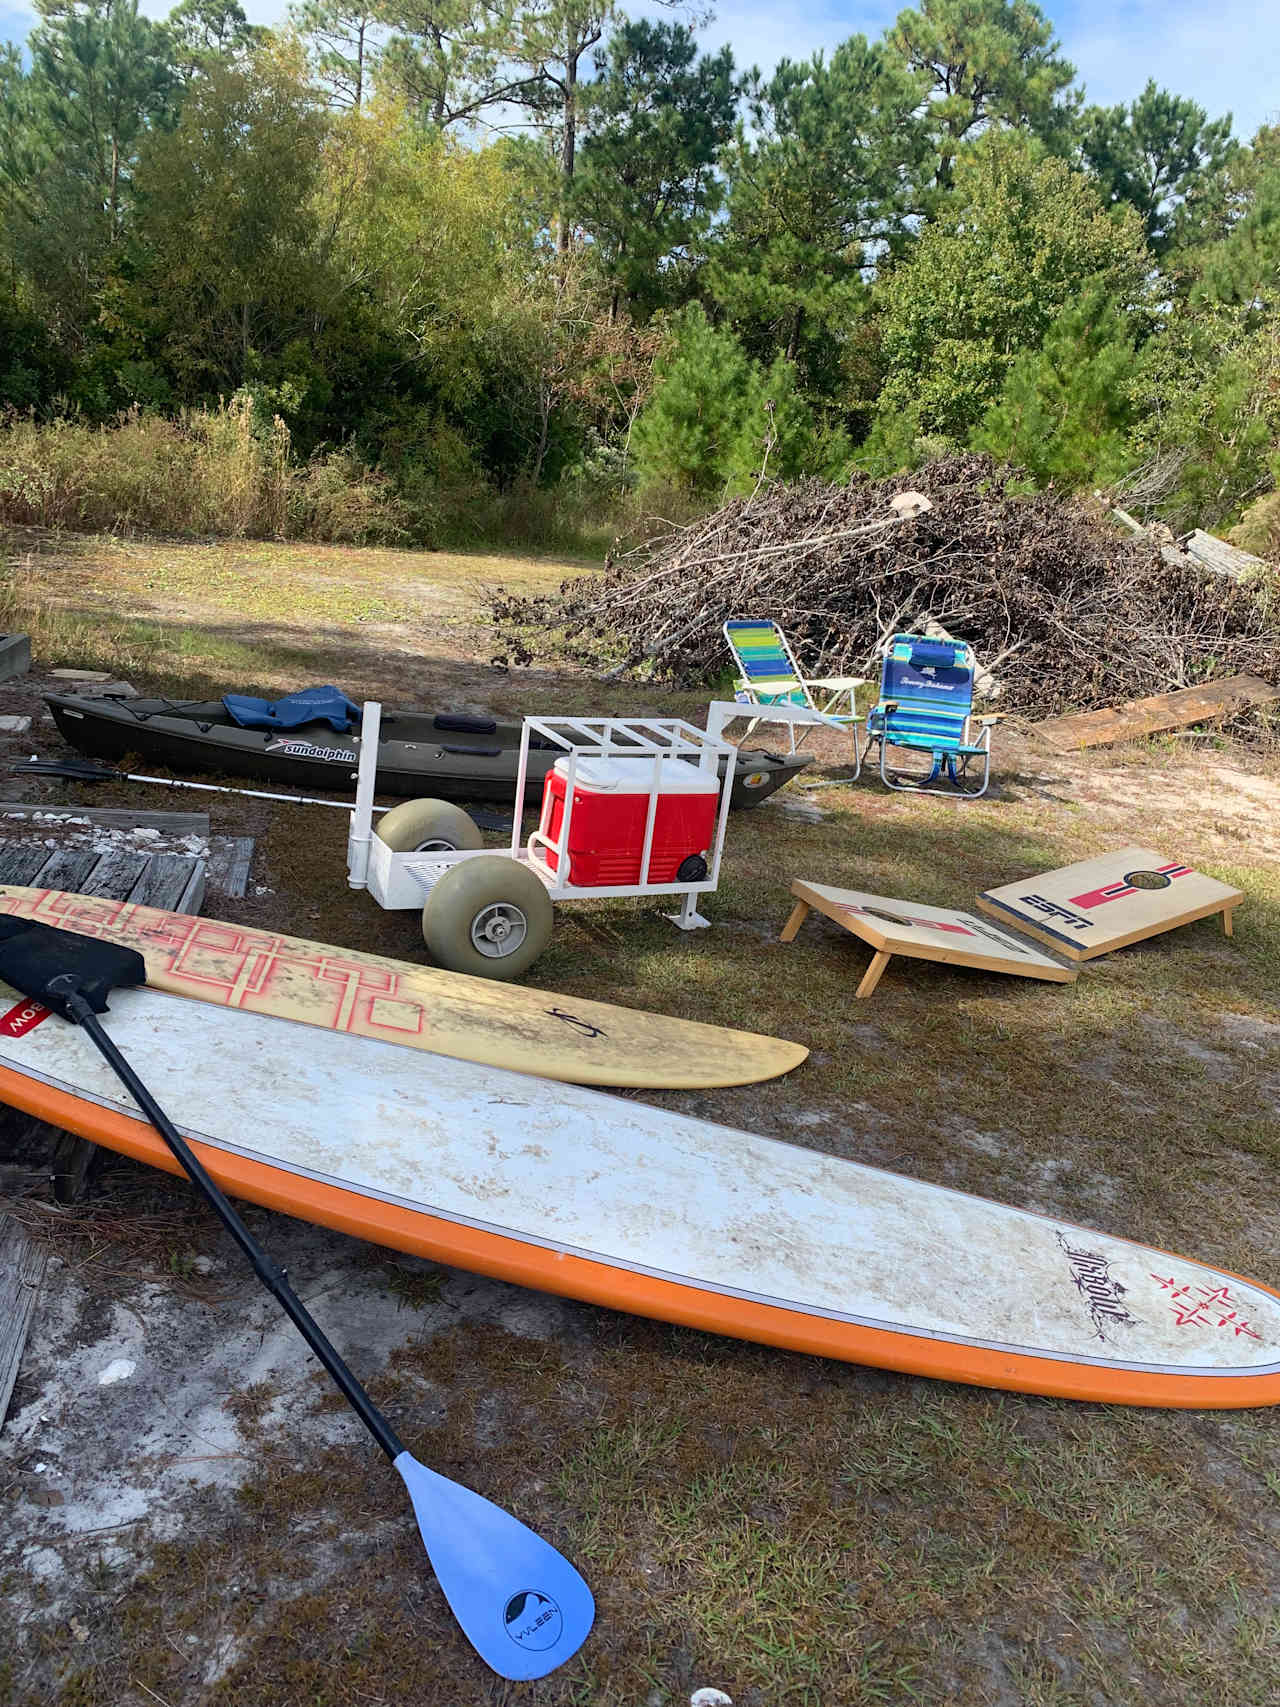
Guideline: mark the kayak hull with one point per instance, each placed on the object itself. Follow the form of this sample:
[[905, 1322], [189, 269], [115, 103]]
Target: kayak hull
[[416, 755]]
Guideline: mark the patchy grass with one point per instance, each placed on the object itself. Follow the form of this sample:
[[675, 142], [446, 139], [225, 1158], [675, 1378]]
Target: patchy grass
[[201, 618], [791, 1530]]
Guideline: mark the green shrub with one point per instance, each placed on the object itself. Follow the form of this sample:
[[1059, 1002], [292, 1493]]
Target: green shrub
[[215, 471]]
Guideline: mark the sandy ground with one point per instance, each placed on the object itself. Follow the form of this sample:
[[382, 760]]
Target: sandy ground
[[129, 1424]]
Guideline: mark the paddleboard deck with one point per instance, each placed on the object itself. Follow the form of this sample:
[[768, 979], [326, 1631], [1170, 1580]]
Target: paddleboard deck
[[647, 1211], [474, 1019]]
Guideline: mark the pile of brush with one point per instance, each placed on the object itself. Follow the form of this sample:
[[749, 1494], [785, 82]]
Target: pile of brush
[[1060, 608]]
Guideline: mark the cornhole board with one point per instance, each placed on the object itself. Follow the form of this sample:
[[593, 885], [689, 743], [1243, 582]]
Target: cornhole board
[[1101, 904], [894, 927]]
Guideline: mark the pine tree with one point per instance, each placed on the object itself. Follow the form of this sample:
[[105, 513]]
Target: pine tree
[[716, 424], [1064, 409], [690, 429]]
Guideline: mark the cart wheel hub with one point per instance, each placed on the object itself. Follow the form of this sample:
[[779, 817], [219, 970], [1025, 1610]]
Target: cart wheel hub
[[499, 929]]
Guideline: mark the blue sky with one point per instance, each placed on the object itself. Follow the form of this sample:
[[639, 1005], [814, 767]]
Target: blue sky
[[1220, 52]]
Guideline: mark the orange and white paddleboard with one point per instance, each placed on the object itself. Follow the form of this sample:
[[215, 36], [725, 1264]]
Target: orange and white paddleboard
[[475, 1019], [640, 1209]]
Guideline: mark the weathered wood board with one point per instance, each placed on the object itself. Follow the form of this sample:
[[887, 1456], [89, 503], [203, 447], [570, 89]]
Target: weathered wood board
[[1102, 904], [229, 860], [112, 817], [171, 880], [1221, 557], [22, 1265], [1138, 717], [941, 934]]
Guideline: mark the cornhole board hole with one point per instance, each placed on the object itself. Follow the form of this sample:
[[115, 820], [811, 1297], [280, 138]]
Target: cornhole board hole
[[1101, 904], [942, 934]]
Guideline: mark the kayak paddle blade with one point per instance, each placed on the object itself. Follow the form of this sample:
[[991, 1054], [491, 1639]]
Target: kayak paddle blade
[[73, 770], [47, 963], [521, 1605]]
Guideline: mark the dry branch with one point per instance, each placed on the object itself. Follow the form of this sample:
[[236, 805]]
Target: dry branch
[[1075, 615]]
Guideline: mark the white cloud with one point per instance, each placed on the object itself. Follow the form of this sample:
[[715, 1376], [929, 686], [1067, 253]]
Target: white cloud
[[1224, 55]]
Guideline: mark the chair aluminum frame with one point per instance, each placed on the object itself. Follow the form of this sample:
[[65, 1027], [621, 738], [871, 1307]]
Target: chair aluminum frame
[[777, 690], [953, 758]]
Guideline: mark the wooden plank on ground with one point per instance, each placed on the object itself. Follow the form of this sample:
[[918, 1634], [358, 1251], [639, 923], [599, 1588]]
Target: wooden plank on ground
[[22, 1266], [116, 873], [1101, 904], [229, 860], [66, 868], [166, 882], [909, 928], [116, 817], [1137, 717], [19, 862]]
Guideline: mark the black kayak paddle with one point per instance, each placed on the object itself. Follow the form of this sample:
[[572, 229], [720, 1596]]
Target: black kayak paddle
[[522, 1606]]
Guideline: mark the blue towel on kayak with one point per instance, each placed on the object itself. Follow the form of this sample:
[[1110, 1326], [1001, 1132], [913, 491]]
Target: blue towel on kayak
[[313, 705]]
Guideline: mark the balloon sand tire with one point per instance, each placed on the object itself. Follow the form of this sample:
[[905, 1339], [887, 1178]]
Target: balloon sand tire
[[428, 826], [490, 917]]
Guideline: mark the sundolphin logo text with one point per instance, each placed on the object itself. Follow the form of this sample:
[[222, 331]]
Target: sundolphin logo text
[[533, 1620]]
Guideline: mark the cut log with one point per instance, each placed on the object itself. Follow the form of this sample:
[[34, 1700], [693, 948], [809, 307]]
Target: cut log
[[1161, 711], [1223, 559]]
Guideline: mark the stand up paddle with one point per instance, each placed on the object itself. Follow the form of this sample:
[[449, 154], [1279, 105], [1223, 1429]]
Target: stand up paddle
[[521, 1605], [84, 770]]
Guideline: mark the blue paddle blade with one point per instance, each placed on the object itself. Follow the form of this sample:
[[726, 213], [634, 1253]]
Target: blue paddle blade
[[521, 1605]]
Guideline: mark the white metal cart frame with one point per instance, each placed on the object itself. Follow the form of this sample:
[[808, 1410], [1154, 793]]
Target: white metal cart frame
[[404, 880]]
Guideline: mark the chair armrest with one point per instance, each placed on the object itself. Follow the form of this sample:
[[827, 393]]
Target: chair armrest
[[991, 717], [836, 684]]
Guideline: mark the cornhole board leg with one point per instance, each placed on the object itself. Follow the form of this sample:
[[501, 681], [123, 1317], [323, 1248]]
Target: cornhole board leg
[[1228, 925], [799, 913], [872, 976]]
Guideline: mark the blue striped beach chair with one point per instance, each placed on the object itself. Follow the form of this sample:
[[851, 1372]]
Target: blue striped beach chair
[[770, 675], [926, 706]]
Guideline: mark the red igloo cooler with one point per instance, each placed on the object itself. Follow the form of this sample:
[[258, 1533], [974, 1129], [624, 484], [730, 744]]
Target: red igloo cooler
[[610, 808]]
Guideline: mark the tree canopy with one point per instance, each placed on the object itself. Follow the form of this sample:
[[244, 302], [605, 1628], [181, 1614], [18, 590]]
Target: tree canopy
[[499, 247]]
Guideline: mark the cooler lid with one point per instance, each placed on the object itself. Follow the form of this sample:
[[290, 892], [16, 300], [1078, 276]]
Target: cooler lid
[[627, 775]]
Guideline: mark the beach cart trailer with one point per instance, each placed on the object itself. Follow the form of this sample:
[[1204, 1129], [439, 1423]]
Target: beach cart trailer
[[632, 806]]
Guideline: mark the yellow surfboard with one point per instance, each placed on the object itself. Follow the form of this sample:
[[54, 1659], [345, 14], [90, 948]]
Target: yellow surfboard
[[472, 1019]]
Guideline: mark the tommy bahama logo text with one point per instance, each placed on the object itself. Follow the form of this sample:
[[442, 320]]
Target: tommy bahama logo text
[[1103, 1295]]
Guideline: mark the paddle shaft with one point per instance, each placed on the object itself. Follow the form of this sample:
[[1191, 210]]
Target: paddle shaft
[[274, 1279], [101, 773]]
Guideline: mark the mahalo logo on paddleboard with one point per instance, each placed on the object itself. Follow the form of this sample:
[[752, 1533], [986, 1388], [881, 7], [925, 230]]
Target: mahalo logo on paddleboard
[[533, 1620], [22, 1019]]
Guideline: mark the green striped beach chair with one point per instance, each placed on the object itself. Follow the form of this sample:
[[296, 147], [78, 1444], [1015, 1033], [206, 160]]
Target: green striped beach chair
[[926, 706], [770, 675]]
